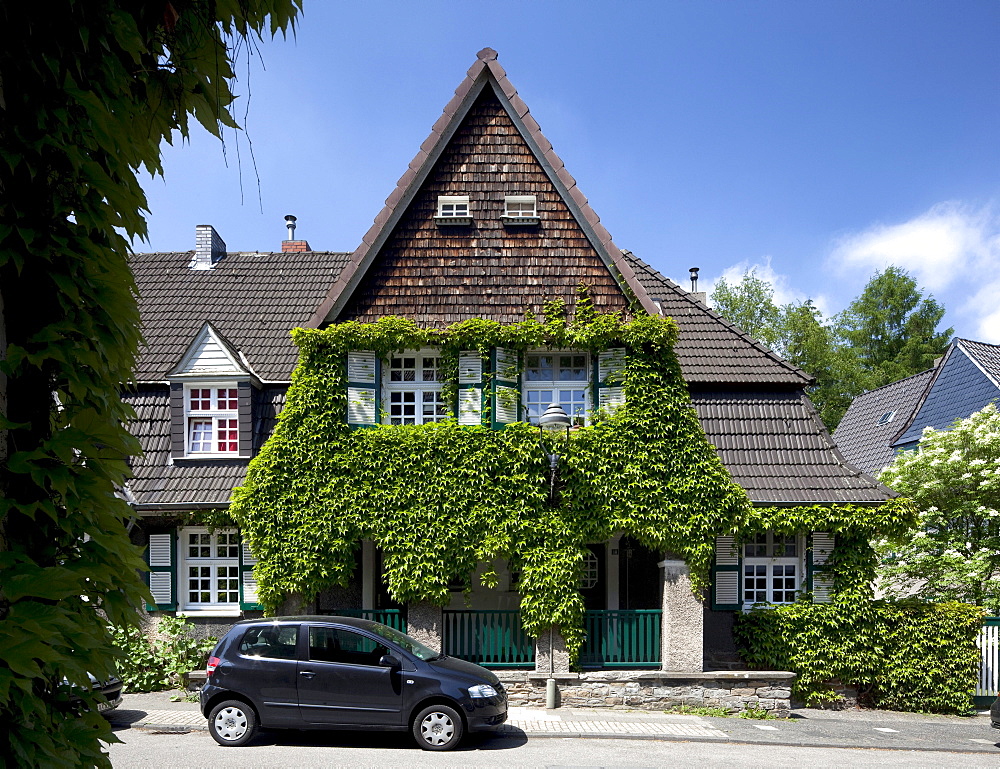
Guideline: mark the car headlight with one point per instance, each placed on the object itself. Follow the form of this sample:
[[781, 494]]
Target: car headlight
[[483, 690]]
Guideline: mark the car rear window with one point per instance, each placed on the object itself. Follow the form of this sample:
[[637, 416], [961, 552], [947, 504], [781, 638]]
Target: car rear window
[[270, 641]]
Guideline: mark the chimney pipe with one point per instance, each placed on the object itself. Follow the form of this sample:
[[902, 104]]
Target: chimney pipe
[[694, 279], [292, 246], [290, 224]]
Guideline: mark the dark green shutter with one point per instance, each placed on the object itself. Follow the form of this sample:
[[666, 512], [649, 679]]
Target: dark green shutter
[[161, 555], [364, 381], [248, 583], [506, 391], [726, 575], [470, 388], [820, 578]]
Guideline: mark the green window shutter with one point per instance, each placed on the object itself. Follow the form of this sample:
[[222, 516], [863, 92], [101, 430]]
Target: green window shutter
[[726, 575], [161, 555], [470, 388], [364, 371], [609, 393], [819, 575], [248, 583], [506, 390]]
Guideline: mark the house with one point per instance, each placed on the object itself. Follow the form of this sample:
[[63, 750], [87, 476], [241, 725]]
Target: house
[[889, 419], [486, 223]]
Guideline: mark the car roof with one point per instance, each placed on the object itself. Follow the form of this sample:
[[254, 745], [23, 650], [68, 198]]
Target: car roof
[[357, 622]]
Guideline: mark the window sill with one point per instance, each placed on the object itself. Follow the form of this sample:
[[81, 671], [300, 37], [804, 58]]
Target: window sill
[[453, 220], [199, 457], [526, 220], [210, 612]]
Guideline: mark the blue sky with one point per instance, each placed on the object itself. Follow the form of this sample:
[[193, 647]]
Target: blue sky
[[815, 141]]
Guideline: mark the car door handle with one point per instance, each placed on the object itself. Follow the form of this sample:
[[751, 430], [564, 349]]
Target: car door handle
[[307, 673]]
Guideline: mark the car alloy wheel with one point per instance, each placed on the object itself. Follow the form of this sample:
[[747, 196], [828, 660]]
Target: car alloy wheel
[[232, 723], [437, 727]]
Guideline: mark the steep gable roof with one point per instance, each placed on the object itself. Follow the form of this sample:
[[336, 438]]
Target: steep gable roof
[[252, 299], [710, 349], [865, 434], [486, 144]]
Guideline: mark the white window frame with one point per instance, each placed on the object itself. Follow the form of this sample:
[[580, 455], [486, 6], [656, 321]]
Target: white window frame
[[228, 559], [418, 387], [557, 387], [453, 208], [213, 416], [520, 213], [766, 555]]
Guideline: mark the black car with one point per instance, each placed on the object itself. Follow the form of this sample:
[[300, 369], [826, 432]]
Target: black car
[[110, 691], [995, 714], [343, 673]]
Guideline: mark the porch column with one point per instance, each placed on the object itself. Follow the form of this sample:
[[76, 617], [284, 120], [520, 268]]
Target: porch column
[[550, 652], [682, 632], [368, 574], [424, 622]]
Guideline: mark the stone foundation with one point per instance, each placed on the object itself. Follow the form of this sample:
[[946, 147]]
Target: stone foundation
[[655, 690]]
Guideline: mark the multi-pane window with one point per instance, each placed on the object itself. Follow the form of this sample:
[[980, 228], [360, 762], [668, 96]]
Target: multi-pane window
[[413, 388], [520, 206], [453, 206], [213, 420], [556, 377], [211, 569], [772, 569]]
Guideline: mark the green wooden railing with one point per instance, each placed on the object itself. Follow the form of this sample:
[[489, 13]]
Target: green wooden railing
[[621, 638], [392, 617], [494, 639], [988, 687]]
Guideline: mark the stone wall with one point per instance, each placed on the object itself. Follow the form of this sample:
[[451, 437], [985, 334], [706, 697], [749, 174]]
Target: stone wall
[[653, 690]]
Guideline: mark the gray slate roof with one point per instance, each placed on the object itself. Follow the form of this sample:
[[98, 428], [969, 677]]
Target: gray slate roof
[[253, 299], [867, 444], [711, 349], [775, 447], [159, 481]]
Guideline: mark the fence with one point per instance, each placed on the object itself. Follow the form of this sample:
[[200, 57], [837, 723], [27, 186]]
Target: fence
[[621, 638], [491, 638], [392, 617], [989, 665]]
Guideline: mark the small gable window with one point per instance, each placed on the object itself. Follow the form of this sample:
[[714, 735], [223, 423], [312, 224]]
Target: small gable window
[[453, 209], [213, 420], [886, 418], [520, 209]]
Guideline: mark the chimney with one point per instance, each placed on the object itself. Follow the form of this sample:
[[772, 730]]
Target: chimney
[[698, 296], [291, 245], [209, 247]]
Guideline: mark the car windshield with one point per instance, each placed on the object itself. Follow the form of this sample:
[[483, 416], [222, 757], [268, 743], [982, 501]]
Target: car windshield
[[411, 645]]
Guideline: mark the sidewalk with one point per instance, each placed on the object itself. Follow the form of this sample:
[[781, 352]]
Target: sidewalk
[[806, 727]]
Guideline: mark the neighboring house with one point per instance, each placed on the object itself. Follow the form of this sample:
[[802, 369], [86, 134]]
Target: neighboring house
[[890, 419], [485, 223]]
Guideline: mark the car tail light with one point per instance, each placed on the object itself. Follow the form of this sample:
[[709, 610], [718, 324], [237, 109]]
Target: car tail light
[[213, 663]]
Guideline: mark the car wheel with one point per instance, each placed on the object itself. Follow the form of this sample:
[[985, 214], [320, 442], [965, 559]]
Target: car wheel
[[232, 723], [437, 727]]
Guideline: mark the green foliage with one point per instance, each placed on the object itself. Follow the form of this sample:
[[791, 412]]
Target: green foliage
[[152, 664], [900, 656], [953, 550], [759, 714], [750, 305], [893, 328], [690, 710], [439, 498], [89, 89]]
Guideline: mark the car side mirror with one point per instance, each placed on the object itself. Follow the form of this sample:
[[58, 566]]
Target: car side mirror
[[388, 661]]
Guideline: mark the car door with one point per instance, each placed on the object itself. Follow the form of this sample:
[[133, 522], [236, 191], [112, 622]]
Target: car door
[[265, 671], [341, 682]]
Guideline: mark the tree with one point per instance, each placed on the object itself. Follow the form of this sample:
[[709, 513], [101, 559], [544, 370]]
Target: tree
[[750, 305], [88, 90], [813, 347], [954, 478], [893, 328]]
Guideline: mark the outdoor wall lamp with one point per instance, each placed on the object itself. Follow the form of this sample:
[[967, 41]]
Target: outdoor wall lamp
[[555, 419]]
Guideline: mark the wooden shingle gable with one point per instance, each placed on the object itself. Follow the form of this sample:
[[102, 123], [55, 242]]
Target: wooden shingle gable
[[487, 269]]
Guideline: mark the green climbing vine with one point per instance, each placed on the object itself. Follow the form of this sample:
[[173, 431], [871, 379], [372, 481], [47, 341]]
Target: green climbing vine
[[438, 499]]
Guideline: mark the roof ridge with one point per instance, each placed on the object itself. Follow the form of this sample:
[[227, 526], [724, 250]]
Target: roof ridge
[[485, 72], [729, 324], [898, 381]]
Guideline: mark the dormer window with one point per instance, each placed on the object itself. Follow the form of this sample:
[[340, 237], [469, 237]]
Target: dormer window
[[886, 418], [520, 209], [453, 209]]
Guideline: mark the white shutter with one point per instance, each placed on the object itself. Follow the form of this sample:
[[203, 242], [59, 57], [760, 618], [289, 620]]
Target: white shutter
[[361, 405], [161, 585], [505, 406], [470, 406], [361, 367], [611, 366], [506, 368], [248, 557], [822, 547], [726, 574], [822, 580], [822, 587], [249, 587], [726, 552], [161, 551], [610, 398], [470, 368], [727, 587]]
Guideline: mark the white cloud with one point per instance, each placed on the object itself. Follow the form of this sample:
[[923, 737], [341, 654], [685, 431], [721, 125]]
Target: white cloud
[[952, 250], [784, 292]]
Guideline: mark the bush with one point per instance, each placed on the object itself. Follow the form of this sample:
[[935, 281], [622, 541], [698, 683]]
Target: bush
[[153, 664], [900, 656]]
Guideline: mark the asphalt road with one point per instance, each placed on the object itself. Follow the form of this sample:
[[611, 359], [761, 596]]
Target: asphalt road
[[142, 748]]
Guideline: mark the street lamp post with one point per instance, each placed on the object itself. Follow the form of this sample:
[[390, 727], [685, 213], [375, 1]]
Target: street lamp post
[[555, 419]]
